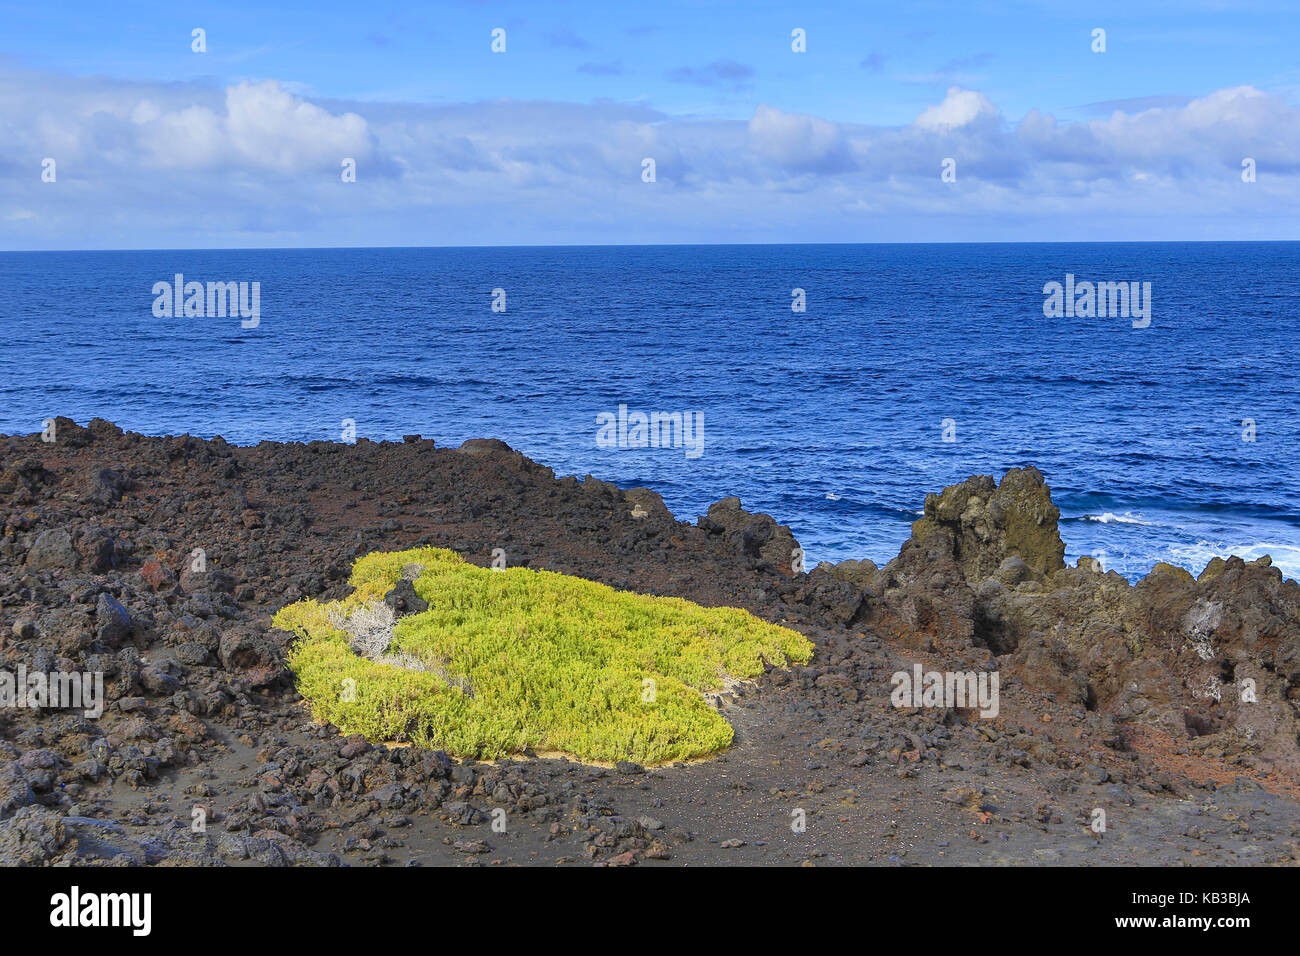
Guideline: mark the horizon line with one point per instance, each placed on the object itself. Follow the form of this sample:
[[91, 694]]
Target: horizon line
[[674, 245]]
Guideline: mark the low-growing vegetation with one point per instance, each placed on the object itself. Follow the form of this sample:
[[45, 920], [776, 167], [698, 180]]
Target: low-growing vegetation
[[508, 661]]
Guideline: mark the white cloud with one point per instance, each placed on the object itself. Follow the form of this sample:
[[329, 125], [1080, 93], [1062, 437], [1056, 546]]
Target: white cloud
[[959, 108], [1211, 132], [136, 160], [270, 125], [798, 142], [97, 124], [263, 126]]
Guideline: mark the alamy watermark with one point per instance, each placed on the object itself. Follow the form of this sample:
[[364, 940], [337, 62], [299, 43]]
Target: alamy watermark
[[83, 690], [1098, 299], [946, 689], [654, 430], [216, 300], [133, 911]]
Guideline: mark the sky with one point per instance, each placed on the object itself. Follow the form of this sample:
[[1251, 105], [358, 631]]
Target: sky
[[115, 133]]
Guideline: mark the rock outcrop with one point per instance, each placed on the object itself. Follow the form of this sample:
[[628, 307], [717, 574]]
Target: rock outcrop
[[1213, 660], [987, 522], [756, 536]]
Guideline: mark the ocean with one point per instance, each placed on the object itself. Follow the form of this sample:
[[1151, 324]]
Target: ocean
[[911, 367]]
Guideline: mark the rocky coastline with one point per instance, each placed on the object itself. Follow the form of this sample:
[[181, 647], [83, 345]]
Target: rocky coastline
[[1172, 705]]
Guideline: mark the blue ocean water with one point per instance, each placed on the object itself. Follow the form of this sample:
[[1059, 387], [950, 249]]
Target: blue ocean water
[[831, 420]]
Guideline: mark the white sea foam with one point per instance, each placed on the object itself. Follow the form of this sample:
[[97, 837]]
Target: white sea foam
[[1286, 557], [1109, 517]]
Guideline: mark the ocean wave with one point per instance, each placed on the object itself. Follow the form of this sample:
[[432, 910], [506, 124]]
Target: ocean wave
[[1111, 518], [843, 505], [1094, 505], [1194, 557]]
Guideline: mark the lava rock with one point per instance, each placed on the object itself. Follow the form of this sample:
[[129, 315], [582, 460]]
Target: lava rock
[[52, 550], [112, 622], [403, 599]]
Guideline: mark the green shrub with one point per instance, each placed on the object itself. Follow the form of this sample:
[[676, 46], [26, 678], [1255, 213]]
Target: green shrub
[[505, 661]]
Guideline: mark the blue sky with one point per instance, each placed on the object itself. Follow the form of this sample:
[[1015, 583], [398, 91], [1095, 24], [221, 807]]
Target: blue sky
[[158, 146]]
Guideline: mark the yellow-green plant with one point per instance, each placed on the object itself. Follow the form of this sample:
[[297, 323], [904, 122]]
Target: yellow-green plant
[[517, 659]]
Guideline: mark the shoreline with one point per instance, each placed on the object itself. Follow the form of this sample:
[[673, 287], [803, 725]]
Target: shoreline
[[1107, 517], [1105, 686]]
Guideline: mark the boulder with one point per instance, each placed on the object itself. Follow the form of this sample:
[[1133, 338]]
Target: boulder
[[922, 595], [52, 550], [15, 791], [251, 656], [483, 446], [988, 522], [106, 487], [860, 573], [209, 580], [70, 630], [756, 535], [32, 836], [112, 622], [156, 575], [403, 599], [96, 551]]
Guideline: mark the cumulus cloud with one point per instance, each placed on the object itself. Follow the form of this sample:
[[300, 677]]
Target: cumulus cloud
[[959, 108], [253, 125], [261, 161], [262, 125], [799, 142], [1215, 130], [267, 124]]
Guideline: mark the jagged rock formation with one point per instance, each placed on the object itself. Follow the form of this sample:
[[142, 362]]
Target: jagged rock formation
[[987, 522], [984, 569], [757, 536]]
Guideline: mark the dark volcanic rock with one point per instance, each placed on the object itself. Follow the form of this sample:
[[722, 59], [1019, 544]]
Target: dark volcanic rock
[[32, 836], [403, 599], [15, 791], [107, 486], [251, 656], [988, 521], [753, 535], [984, 568], [52, 550], [483, 446], [112, 622], [96, 550]]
